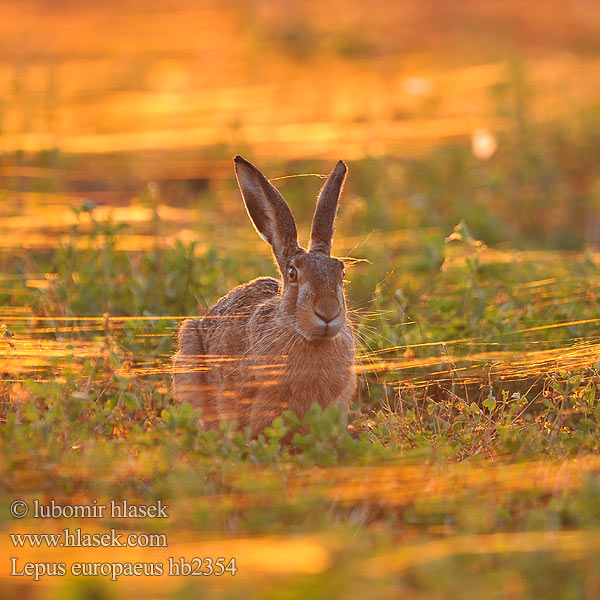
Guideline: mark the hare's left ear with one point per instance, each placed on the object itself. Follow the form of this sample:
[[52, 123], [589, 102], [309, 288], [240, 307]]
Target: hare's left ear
[[321, 234], [268, 211]]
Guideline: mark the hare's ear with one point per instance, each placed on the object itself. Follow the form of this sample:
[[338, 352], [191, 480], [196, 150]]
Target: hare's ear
[[321, 234], [268, 211]]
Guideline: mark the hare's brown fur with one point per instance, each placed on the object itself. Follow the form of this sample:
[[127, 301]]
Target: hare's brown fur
[[271, 345]]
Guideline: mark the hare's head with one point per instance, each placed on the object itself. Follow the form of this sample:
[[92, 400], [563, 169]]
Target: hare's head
[[313, 298]]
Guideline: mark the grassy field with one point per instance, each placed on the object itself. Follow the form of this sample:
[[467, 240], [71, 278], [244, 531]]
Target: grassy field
[[470, 225]]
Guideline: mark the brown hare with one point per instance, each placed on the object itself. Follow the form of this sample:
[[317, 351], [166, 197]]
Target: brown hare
[[271, 345]]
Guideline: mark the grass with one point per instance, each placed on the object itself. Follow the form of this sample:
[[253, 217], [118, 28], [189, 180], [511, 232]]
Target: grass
[[469, 468], [470, 465]]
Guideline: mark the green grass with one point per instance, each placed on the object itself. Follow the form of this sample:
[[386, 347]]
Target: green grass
[[465, 385]]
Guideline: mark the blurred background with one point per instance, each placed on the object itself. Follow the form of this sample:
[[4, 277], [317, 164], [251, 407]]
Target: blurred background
[[479, 110]]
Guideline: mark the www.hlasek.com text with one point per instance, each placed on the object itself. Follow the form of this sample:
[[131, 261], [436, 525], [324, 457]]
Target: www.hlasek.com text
[[77, 538]]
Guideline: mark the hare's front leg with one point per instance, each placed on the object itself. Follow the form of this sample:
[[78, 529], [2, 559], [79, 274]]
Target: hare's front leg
[[269, 403]]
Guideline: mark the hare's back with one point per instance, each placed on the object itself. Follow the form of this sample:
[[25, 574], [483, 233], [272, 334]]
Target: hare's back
[[243, 300], [224, 327]]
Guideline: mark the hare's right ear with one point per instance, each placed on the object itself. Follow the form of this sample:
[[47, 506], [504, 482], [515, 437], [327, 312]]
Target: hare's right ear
[[268, 211], [321, 233]]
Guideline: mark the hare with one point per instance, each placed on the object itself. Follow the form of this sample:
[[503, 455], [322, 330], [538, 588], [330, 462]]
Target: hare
[[269, 345]]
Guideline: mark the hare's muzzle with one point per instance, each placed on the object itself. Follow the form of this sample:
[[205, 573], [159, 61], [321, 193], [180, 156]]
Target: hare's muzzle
[[327, 316], [327, 309]]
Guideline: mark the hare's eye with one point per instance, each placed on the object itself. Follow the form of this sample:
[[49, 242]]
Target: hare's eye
[[293, 274]]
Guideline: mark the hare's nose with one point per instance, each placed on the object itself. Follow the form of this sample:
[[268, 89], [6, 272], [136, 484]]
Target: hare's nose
[[327, 309]]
